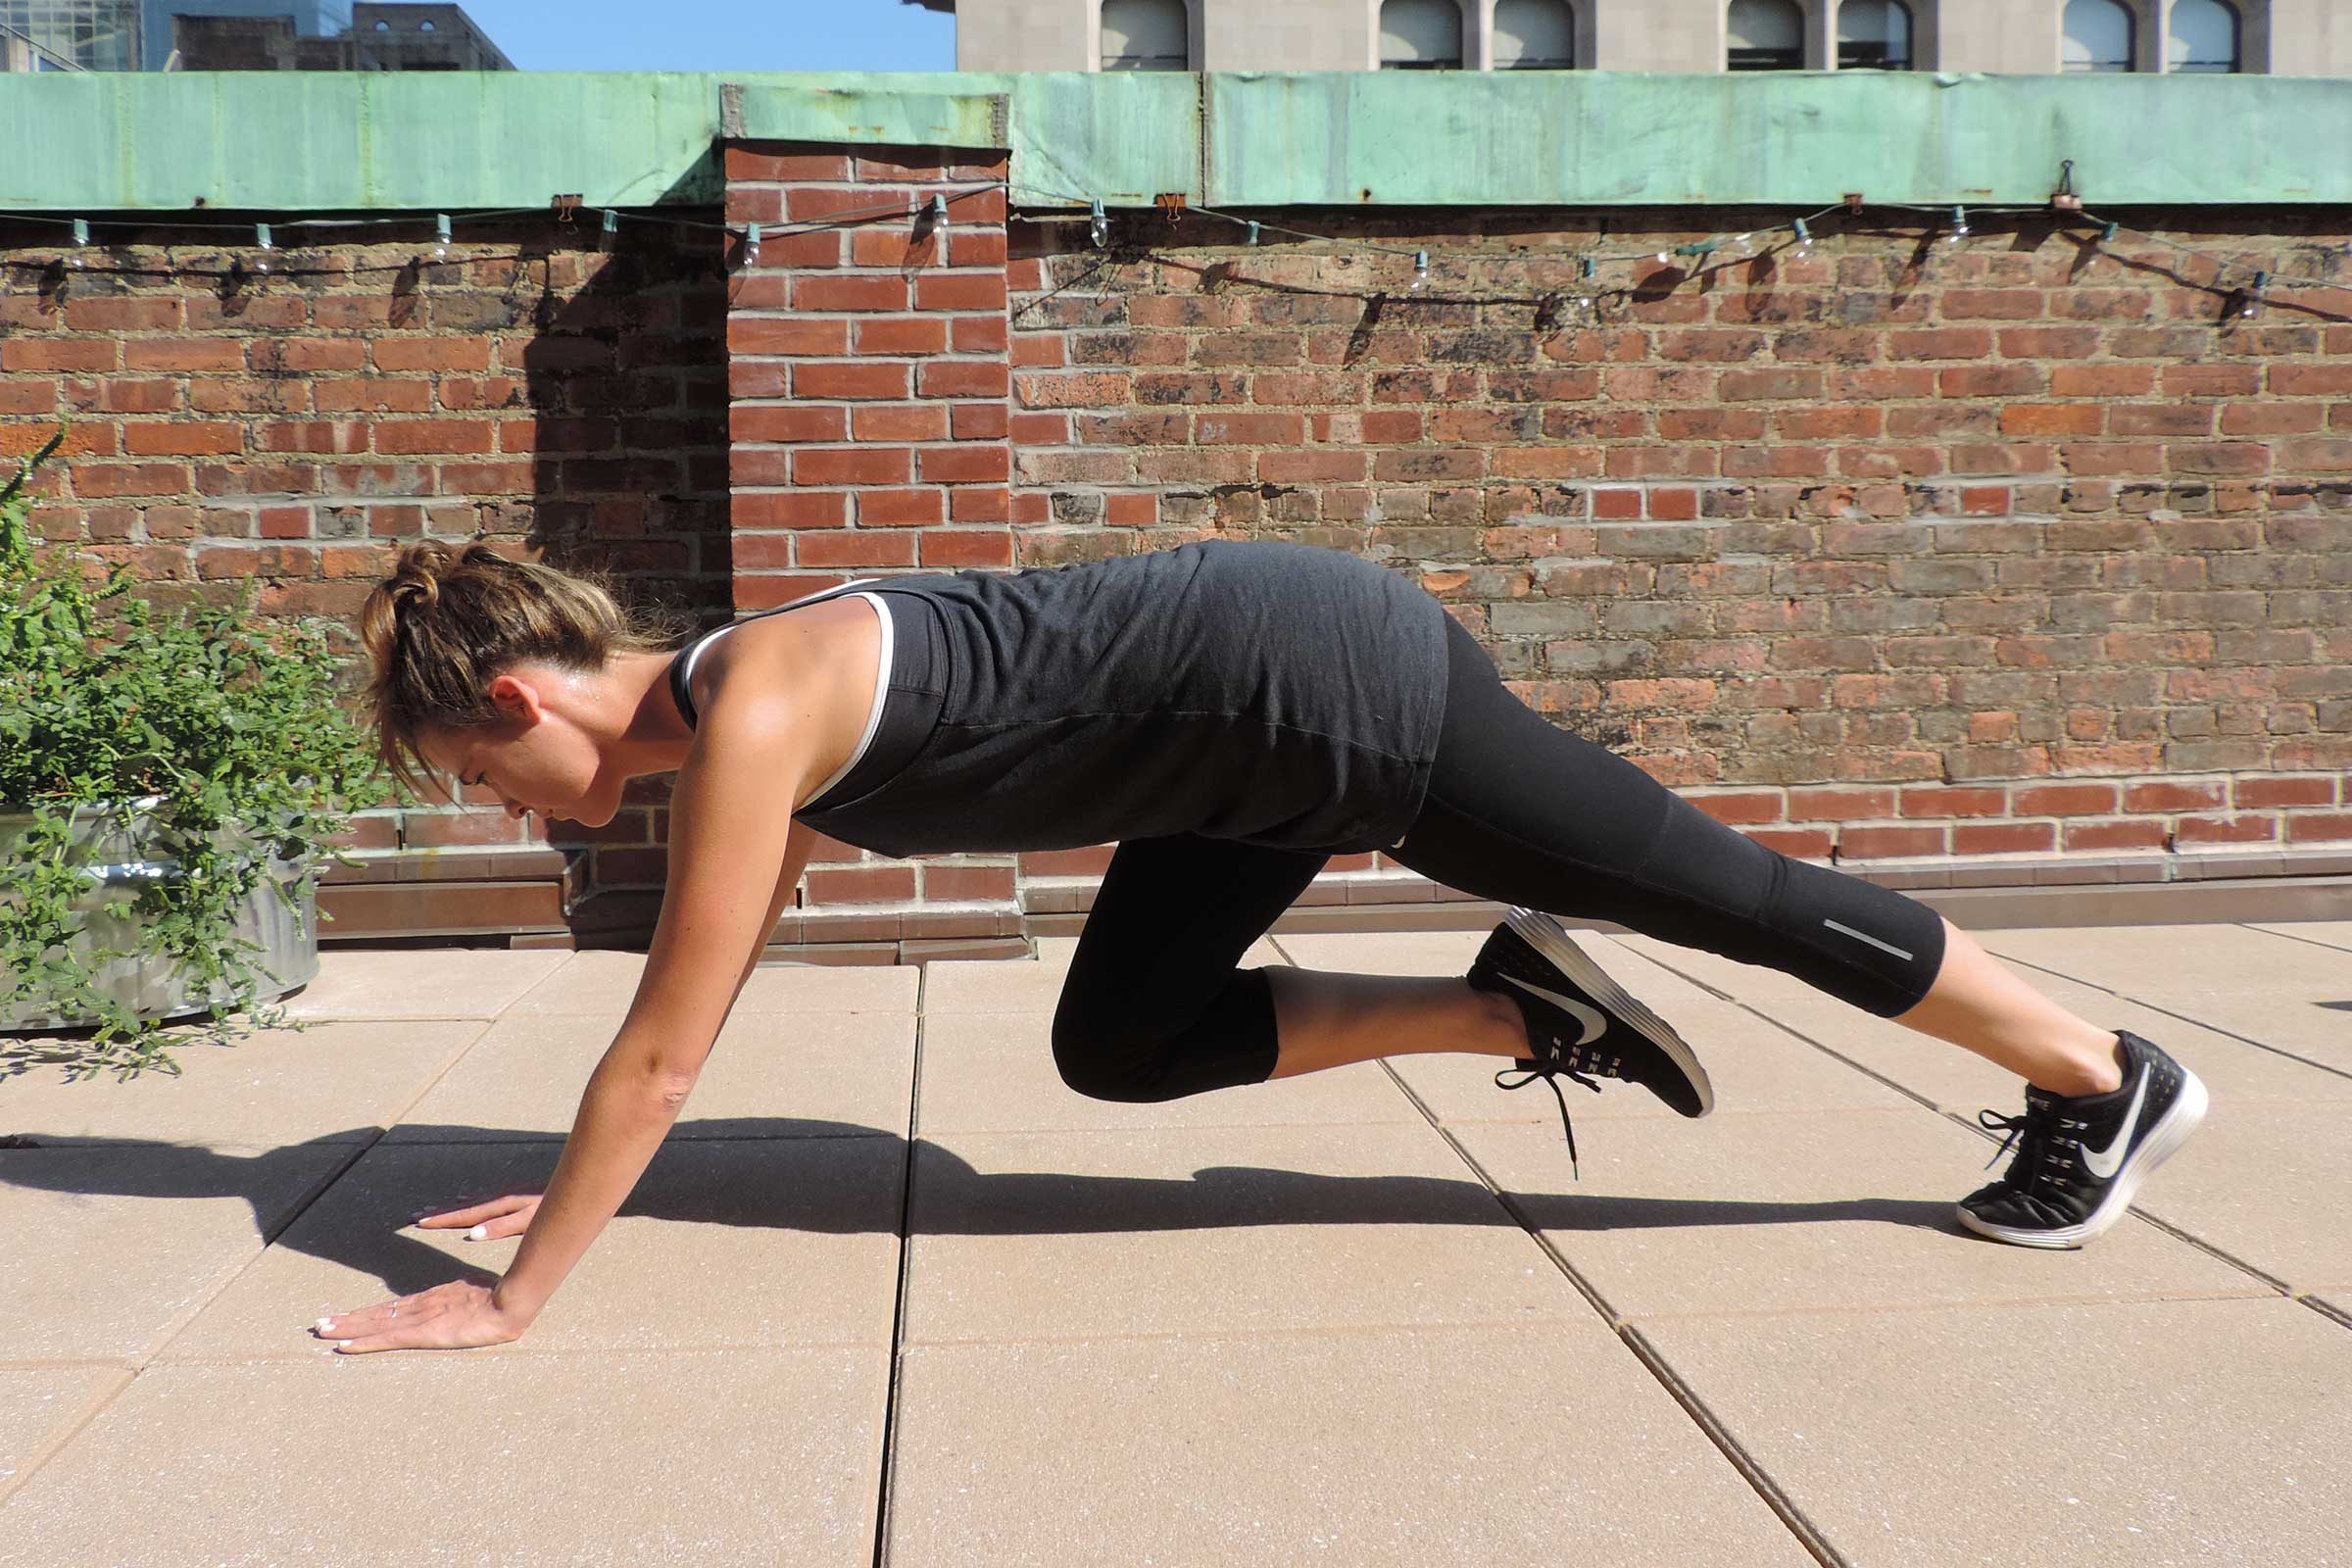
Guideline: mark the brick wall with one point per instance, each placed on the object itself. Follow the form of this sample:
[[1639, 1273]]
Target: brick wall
[[1896, 554], [299, 427]]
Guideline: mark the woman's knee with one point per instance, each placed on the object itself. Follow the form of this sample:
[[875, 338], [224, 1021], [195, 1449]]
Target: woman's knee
[[1107, 1050]]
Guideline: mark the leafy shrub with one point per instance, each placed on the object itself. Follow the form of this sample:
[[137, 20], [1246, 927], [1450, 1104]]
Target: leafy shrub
[[222, 725]]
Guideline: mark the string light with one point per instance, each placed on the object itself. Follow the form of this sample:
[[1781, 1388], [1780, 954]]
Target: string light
[[266, 245], [611, 236], [1804, 239], [1420, 283], [751, 246], [78, 261], [1100, 227], [1252, 234], [2252, 303], [440, 236], [1959, 226]]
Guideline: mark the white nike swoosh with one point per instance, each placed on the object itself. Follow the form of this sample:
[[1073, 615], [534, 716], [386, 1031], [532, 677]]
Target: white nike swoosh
[[1596, 1023], [2105, 1162]]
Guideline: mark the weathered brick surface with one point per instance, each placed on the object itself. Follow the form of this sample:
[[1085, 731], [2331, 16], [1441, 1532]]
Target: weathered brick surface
[[1881, 551]]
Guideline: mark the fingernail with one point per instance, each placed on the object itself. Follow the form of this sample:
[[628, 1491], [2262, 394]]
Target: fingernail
[[324, 1324], [481, 1233]]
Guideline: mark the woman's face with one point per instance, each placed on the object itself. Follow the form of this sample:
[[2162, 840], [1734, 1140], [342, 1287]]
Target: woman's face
[[533, 756]]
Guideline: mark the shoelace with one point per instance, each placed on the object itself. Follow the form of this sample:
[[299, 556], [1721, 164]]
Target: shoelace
[[2036, 1149], [1548, 1071]]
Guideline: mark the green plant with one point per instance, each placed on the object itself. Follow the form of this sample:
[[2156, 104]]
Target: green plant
[[224, 725]]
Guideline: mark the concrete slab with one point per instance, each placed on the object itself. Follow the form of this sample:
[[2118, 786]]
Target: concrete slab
[[2263, 1182], [1385, 951], [2328, 933], [1832, 1210], [1235, 1230], [604, 982], [770, 1076], [1754, 1065], [2115, 1436], [112, 1247], [1025, 985], [326, 1083], [712, 1456], [2181, 958], [2314, 1029], [1500, 1446], [992, 1072], [802, 1231], [420, 982], [40, 1406]]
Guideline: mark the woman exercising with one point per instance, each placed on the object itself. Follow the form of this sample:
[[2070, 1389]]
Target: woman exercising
[[1233, 714]]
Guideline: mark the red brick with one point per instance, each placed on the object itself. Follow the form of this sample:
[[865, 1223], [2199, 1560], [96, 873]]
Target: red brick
[[2087, 837], [916, 421], [753, 163], [959, 291], [769, 334], [2248, 828], [964, 464], [792, 509], [955, 379], [847, 547], [975, 502], [848, 292], [396, 354], [2053, 419], [809, 201], [966, 884], [853, 381], [2173, 796], [2320, 828], [956, 548], [900, 509], [1839, 804], [183, 440], [183, 354], [851, 465], [60, 354], [2283, 792], [395, 437], [2004, 838], [914, 335], [799, 422], [866, 884], [2064, 800], [1879, 843]]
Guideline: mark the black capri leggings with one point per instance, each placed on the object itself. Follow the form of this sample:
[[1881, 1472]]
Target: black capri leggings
[[1518, 812]]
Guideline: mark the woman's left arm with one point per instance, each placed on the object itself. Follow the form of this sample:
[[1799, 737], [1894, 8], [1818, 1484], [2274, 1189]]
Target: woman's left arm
[[730, 828]]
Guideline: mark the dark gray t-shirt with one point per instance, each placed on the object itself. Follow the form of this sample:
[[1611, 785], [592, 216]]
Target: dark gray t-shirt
[[1271, 693]]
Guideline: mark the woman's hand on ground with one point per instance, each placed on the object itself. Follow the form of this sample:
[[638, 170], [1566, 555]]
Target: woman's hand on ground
[[456, 1316], [510, 1215]]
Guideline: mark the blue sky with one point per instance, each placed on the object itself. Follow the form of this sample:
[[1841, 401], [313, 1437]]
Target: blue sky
[[717, 34]]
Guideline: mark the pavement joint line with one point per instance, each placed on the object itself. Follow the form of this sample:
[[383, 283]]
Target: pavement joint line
[[517, 1351], [92, 1406], [1269, 1334], [889, 1457], [2326, 1309], [302, 1206], [1968, 1304], [1784, 1507], [2198, 1023]]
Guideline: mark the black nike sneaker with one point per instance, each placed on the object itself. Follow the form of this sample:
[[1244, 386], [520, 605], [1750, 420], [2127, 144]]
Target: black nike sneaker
[[1581, 1022], [2079, 1158]]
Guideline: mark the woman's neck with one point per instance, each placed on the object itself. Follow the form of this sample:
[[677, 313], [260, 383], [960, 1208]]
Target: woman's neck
[[642, 731]]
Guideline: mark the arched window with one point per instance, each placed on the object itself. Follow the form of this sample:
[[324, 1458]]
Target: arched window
[[1420, 35], [1534, 36], [1874, 35], [1144, 36], [2098, 36], [2205, 36], [1766, 36]]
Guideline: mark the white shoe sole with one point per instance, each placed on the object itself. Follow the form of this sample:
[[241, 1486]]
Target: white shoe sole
[[2189, 1110], [1546, 936]]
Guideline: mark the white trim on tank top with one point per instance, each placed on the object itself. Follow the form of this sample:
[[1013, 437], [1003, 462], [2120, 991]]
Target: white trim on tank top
[[873, 712]]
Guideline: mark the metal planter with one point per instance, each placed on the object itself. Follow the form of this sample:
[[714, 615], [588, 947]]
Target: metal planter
[[118, 843]]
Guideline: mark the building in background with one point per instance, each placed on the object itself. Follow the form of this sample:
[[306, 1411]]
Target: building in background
[[241, 35], [2286, 38]]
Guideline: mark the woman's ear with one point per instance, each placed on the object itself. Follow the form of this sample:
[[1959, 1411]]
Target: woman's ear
[[516, 698]]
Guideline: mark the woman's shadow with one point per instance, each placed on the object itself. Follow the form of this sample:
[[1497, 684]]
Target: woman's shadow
[[322, 1198]]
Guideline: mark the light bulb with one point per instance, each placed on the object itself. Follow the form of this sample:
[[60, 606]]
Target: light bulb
[[1420, 271], [611, 236], [1099, 228], [440, 236], [1959, 226], [751, 246]]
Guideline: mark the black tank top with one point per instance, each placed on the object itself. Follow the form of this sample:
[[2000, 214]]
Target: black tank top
[[1270, 693]]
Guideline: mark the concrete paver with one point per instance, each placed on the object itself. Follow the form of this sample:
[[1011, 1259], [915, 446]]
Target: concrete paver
[[422, 983], [326, 1083], [606, 982], [1529, 1446], [995, 1072], [2182, 1434], [1218, 1230], [1839, 1210], [1288, 1321], [41, 1405], [111, 1247], [756, 1244], [733, 1457], [769, 1075]]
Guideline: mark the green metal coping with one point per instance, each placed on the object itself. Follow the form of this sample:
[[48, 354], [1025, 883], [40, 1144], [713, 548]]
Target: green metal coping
[[432, 141]]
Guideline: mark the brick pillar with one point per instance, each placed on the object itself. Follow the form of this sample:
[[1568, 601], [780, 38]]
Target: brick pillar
[[868, 382]]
